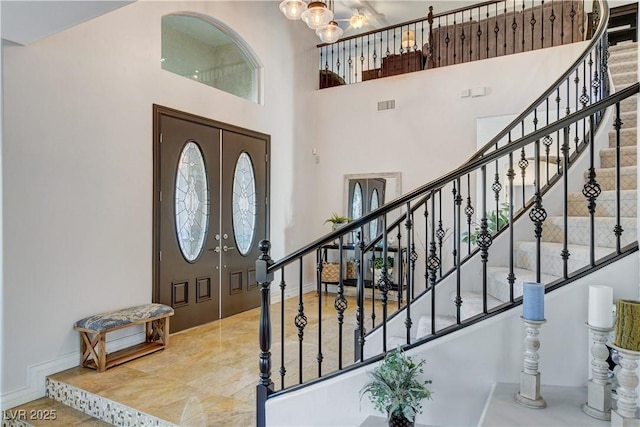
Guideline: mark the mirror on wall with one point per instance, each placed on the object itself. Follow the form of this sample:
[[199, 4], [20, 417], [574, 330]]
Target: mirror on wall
[[364, 193]]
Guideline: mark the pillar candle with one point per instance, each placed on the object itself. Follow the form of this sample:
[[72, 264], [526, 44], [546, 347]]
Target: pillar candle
[[533, 301], [600, 304]]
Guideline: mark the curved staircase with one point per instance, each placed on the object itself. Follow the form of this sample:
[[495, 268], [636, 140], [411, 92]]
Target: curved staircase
[[623, 66]]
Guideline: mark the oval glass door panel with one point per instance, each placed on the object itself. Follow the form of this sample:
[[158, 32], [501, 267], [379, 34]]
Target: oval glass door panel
[[244, 204], [356, 203], [191, 201], [375, 203]]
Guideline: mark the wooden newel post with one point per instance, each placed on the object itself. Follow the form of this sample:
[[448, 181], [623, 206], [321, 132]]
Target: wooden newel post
[[264, 278], [430, 61]]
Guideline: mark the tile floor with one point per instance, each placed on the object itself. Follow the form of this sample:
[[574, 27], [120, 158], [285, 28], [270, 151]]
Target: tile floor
[[208, 375]]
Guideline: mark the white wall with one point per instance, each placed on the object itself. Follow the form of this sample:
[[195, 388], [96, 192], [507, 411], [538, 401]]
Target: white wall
[[432, 130], [77, 159], [464, 365]]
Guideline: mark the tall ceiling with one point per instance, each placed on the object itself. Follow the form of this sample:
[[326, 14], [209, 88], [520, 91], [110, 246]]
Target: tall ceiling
[[27, 21]]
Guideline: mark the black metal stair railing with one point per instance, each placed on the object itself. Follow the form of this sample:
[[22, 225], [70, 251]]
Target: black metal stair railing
[[434, 233]]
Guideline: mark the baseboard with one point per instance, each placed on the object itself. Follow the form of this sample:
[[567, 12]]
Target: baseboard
[[37, 374]]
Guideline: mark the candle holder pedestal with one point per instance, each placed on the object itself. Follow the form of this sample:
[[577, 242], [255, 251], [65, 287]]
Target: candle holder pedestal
[[599, 387], [529, 394], [626, 414]]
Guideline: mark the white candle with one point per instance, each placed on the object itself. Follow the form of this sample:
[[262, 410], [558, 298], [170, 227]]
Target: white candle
[[600, 310]]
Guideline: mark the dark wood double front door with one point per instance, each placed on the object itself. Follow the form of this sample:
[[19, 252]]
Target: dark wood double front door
[[210, 211]]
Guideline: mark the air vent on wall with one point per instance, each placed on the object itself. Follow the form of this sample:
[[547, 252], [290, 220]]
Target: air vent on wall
[[387, 105]]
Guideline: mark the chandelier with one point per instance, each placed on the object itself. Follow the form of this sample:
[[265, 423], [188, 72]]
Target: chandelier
[[318, 15]]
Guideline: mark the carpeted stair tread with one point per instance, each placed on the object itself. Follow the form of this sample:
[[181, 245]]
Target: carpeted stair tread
[[629, 119], [628, 78], [580, 230], [424, 324], [551, 262], [498, 282], [624, 67], [628, 157], [472, 303], [628, 137], [605, 204], [607, 178]]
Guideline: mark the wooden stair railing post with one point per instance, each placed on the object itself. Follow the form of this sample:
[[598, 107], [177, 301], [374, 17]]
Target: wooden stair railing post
[[264, 278]]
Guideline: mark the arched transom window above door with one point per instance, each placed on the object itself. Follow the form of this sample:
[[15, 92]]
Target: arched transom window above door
[[205, 50]]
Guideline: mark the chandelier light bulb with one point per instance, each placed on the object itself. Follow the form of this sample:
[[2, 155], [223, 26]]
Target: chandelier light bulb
[[329, 33], [293, 9], [357, 21], [317, 15]]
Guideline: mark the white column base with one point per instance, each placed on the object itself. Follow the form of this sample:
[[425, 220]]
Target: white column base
[[618, 420], [529, 394], [598, 401]]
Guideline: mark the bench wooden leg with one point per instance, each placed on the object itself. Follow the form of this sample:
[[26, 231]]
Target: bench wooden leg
[[158, 330], [88, 345], [102, 352]]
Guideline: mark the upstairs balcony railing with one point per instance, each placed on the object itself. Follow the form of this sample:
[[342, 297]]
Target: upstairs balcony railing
[[486, 30]]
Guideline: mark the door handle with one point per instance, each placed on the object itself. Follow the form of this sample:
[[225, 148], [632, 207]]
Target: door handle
[[227, 248], [216, 249]]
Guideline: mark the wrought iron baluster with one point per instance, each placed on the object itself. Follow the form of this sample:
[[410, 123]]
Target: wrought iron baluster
[[446, 40], [532, 21], [383, 282], [462, 38], [497, 187], [319, 356], [537, 214], [558, 100], [468, 211], [542, 25], [440, 233], [283, 370], [576, 80], [547, 141], [561, 22], [523, 26], [572, 15], [514, 27], [359, 332], [523, 163], [433, 263], [591, 191], [484, 239], [373, 290], [552, 19], [617, 124], [511, 174], [457, 223], [565, 210], [400, 270], [301, 322], [412, 257], [340, 303]]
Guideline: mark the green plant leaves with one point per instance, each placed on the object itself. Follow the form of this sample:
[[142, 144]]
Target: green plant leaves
[[395, 385]]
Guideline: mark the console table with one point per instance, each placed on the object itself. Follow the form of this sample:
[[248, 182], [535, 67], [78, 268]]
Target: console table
[[397, 254]]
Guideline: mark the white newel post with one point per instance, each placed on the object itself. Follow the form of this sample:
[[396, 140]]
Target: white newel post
[[599, 386]]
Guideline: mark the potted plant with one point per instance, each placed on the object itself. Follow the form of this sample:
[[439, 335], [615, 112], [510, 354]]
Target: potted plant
[[337, 221], [395, 388], [377, 268]]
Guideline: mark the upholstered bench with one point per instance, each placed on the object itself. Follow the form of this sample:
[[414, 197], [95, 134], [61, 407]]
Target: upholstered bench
[[93, 331]]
